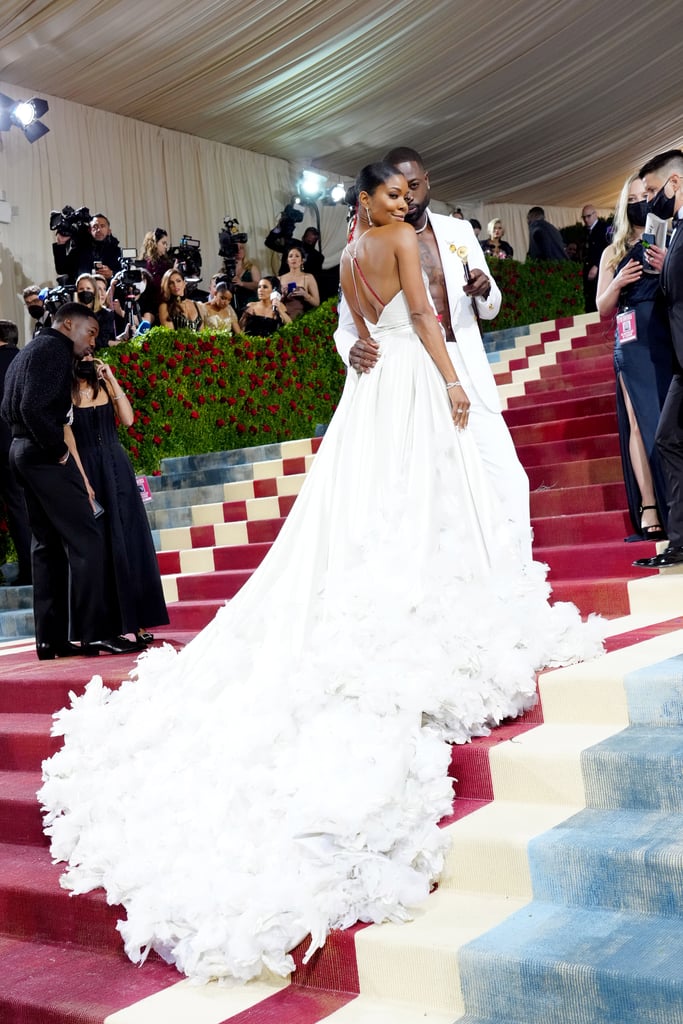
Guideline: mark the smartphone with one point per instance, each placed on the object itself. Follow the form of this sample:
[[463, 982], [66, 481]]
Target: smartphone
[[291, 287], [97, 509]]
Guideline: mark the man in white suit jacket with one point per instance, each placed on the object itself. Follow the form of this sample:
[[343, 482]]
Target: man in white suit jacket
[[439, 238]]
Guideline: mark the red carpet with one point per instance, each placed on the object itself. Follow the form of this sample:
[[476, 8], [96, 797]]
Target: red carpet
[[61, 957]]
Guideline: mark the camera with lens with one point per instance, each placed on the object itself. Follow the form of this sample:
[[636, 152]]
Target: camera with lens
[[289, 218], [74, 223], [187, 255], [132, 278], [229, 239], [54, 298]]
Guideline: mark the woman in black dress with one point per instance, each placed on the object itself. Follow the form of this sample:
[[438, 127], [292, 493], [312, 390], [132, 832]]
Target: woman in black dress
[[264, 317], [175, 310], [98, 401], [628, 286]]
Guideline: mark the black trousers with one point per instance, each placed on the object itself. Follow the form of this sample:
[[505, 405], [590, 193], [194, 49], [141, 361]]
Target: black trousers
[[70, 598], [669, 441], [17, 517]]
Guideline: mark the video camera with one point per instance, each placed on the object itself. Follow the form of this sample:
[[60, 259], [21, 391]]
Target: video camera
[[132, 278], [54, 298], [229, 239], [188, 256], [74, 223], [289, 217]]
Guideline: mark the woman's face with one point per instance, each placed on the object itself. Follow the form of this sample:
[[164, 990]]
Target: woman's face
[[294, 260], [497, 230], [86, 286], [176, 284], [636, 191], [221, 299], [101, 291], [387, 203], [264, 289], [163, 245]]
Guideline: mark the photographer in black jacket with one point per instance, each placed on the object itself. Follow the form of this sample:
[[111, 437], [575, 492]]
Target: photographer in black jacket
[[281, 239], [84, 244]]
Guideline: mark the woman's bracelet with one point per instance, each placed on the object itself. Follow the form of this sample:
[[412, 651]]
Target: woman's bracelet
[[117, 398], [453, 384]]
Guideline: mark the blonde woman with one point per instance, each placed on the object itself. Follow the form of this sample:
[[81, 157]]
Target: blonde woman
[[494, 244], [628, 288]]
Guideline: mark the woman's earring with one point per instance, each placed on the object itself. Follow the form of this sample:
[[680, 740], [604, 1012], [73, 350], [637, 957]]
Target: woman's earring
[[367, 210]]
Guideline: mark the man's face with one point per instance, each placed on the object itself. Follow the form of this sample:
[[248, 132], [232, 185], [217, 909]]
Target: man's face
[[670, 182], [33, 300], [588, 216], [310, 237], [99, 229], [417, 196], [83, 331]]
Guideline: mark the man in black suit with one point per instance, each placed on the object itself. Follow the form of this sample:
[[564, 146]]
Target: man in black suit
[[10, 488], [593, 245], [545, 241], [70, 597], [663, 180]]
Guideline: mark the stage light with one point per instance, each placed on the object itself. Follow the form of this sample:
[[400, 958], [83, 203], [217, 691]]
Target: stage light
[[337, 192], [312, 184], [25, 115]]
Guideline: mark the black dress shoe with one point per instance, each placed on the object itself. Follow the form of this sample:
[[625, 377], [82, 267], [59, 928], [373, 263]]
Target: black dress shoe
[[46, 652], [673, 555], [115, 645]]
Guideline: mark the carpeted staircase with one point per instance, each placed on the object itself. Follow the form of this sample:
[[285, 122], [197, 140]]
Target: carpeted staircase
[[570, 810]]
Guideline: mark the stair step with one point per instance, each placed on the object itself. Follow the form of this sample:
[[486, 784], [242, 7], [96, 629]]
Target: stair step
[[618, 859], [578, 449], [640, 768], [25, 741], [582, 499], [556, 965], [35, 906], [562, 409], [572, 428], [580, 529], [47, 983]]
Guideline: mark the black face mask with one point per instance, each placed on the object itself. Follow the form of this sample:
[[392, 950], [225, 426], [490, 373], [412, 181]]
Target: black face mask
[[87, 298], [661, 205], [35, 310], [637, 213], [86, 370]]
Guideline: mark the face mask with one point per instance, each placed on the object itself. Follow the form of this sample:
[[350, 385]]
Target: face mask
[[637, 213], [661, 205], [35, 310], [86, 370], [87, 298]]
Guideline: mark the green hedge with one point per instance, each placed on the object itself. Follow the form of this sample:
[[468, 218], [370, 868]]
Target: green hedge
[[535, 291], [213, 392]]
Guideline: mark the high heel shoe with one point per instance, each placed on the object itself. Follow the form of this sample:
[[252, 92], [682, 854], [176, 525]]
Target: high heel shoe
[[143, 637], [654, 532]]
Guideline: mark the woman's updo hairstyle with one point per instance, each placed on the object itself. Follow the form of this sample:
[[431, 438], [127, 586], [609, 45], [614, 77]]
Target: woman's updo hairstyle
[[373, 175]]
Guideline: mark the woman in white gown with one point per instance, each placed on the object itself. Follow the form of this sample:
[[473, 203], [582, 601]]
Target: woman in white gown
[[284, 774]]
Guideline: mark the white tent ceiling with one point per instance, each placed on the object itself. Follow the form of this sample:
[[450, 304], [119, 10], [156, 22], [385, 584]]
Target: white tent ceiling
[[533, 101]]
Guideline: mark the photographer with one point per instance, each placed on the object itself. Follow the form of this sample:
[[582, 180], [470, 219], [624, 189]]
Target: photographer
[[281, 239], [35, 307], [83, 244]]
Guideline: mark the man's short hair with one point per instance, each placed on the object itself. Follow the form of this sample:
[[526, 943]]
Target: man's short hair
[[404, 155], [9, 332], [31, 289], [102, 216], [74, 311], [535, 212], [671, 160]]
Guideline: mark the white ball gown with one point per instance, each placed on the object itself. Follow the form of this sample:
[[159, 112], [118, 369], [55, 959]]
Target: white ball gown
[[284, 773]]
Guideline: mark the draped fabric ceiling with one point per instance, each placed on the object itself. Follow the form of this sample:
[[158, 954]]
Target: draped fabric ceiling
[[544, 102], [533, 101]]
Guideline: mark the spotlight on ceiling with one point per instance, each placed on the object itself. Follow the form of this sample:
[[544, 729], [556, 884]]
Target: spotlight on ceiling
[[25, 115], [337, 192], [311, 184]]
